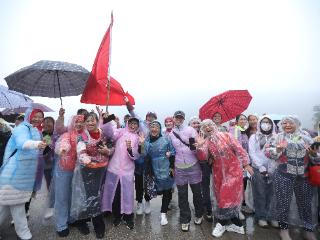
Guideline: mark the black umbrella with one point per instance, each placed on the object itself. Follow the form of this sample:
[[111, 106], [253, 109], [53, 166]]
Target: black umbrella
[[51, 79]]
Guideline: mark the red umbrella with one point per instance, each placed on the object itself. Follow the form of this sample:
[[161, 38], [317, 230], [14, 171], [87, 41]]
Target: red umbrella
[[95, 92], [229, 104]]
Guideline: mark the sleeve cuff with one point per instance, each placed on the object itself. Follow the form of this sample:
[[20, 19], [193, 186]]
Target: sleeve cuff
[[30, 144]]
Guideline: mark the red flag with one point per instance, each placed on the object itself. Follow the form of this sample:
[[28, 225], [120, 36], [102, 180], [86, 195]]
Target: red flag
[[116, 95], [95, 91]]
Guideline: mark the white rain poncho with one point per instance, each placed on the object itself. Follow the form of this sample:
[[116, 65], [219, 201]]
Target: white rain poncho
[[290, 182]]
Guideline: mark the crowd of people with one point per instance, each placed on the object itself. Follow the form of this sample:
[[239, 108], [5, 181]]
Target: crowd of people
[[94, 164]]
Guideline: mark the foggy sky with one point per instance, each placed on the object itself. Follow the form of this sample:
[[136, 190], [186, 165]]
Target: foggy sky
[[174, 55]]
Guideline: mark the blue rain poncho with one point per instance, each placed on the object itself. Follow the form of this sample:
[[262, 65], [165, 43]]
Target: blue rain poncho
[[18, 172], [157, 150]]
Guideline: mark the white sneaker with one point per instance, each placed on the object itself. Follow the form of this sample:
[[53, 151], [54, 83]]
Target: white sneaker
[[49, 213], [218, 230], [241, 216], [139, 208], [147, 208], [235, 228], [262, 223], [274, 224], [198, 221], [164, 220], [185, 227]]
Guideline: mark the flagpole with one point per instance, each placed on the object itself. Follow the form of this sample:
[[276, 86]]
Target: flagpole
[[108, 73]]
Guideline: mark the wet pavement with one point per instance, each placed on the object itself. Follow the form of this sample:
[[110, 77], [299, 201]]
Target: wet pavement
[[146, 226]]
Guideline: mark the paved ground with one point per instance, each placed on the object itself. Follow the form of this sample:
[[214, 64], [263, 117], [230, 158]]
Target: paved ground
[[146, 227]]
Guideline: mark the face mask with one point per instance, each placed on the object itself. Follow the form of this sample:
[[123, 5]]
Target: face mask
[[266, 127]]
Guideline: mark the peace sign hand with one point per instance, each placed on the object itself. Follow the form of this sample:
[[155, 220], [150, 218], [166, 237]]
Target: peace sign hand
[[141, 138]]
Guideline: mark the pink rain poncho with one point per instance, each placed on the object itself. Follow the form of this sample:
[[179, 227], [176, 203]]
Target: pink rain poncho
[[121, 168], [68, 143]]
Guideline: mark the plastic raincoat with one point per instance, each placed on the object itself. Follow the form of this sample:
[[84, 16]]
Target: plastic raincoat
[[160, 163], [229, 158], [88, 178], [291, 185], [68, 143], [18, 172], [262, 180], [121, 168]]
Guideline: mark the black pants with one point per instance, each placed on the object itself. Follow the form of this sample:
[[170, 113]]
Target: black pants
[[235, 221], [245, 181], [205, 186], [285, 184], [116, 206], [48, 177], [92, 178], [138, 182], [166, 198], [185, 213]]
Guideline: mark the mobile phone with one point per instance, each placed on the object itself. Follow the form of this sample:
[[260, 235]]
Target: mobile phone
[[315, 145], [191, 143]]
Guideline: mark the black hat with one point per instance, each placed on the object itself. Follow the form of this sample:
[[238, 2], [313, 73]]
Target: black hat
[[179, 113], [133, 119]]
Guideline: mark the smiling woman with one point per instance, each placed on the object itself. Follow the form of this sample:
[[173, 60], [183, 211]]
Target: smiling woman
[[290, 149], [18, 173]]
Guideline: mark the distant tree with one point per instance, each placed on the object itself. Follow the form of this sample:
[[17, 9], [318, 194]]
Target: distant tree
[[316, 117]]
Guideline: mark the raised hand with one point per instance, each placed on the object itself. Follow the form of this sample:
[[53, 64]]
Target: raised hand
[[61, 112], [100, 111], [141, 138], [200, 140]]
